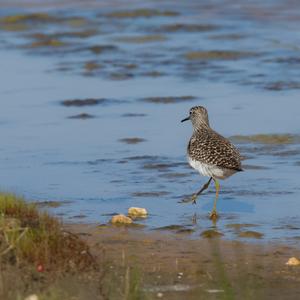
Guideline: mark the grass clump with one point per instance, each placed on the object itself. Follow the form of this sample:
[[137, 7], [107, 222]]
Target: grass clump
[[28, 236]]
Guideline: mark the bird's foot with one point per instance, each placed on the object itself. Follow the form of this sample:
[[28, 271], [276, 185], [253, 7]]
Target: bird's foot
[[213, 215], [192, 199]]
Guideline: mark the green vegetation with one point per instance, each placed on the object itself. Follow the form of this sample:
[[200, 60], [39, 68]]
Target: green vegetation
[[28, 236]]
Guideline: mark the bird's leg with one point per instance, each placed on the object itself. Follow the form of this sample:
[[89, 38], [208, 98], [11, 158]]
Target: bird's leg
[[205, 186], [213, 214], [194, 197]]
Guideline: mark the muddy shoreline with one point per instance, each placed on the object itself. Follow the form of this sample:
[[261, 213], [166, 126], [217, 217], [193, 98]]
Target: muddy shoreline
[[173, 267]]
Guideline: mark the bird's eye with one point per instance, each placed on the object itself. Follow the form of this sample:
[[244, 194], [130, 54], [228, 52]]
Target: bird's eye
[[190, 112]]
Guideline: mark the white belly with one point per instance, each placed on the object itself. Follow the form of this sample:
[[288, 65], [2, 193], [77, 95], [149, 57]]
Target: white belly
[[210, 170]]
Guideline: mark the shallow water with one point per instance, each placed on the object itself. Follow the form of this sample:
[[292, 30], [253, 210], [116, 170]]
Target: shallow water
[[132, 152]]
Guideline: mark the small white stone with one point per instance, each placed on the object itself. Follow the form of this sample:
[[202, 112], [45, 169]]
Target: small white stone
[[159, 295], [121, 219], [32, 297], [214, 291], [137, 212], [293, 261]]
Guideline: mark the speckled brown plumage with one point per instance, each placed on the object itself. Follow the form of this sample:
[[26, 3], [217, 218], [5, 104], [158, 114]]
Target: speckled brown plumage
[[209, 147]]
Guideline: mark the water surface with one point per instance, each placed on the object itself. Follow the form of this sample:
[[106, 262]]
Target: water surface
[[145, 69]]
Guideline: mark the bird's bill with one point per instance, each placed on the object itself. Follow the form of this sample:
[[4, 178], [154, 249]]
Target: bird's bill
[[186, 119]]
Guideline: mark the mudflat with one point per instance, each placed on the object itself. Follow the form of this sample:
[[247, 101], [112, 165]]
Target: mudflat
[[150, 265]]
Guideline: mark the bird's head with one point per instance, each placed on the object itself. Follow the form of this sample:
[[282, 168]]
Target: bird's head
[[198, 116]]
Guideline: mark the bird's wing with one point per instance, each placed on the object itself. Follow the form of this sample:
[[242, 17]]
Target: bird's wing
[[214, 149]]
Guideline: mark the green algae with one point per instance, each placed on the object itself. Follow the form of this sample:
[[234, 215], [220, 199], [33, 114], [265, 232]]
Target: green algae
[[65, 34], [13, 27], [271, 139], [21, 22], [28, 18], [52, 43]]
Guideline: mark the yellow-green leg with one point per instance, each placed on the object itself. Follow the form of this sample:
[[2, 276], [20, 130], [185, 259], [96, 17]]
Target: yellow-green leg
[[213, 214]]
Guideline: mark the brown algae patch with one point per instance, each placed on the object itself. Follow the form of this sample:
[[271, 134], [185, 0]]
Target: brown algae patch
[[272, 139], [282, 85], [210, 233], [162, 166], [150, 194], [83, 102], [120, 75], [174, 175], [67, 34], [158, 166], [142, 13], [171, 227], [180, 27], [169, 99], [142, 39], [52, 204], [133, 115], [82, 116], [250, 234], [91, 66], [52, 42], [238, 226], [153, 74], [13, 27], [218, 55], [132, 141], [27, 21], [178, 229], [230, 36], [254, 167], [28, 18], [98, 49]]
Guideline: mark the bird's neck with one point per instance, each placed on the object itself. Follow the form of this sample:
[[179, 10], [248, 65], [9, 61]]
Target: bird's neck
[[201, 128]]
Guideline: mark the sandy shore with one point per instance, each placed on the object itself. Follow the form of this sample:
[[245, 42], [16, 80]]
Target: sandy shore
[[173, 266]]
